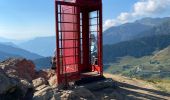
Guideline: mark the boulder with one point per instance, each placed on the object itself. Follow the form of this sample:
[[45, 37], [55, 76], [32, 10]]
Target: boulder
[[49, 75], [11, 88], [19, 68], [44, 94], [16, 78], [6, 84], [40, 87], [53, 81], [42, 74], [81, 94], [38, 82], [24, 85], [45, 73], [48, 93]]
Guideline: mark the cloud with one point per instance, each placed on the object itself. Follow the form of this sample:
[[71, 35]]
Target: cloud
[[108, 23], [142, 8], [150, 7]]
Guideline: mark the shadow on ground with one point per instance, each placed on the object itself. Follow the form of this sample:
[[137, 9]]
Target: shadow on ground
[[124, 91]]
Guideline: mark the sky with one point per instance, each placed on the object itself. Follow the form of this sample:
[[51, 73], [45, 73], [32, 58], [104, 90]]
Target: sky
[[26, 19]]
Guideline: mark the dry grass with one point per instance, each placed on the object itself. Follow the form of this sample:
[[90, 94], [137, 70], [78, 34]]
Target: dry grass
[[164, 85]]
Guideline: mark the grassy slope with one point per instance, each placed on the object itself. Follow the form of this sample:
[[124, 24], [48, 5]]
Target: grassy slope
[[160, 61], [146, 68]]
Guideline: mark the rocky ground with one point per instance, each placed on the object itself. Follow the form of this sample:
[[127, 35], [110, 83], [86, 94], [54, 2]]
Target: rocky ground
[[20, 81]]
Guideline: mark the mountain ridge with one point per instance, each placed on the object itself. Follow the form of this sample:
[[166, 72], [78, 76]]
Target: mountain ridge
[[136, 48], [130, 31], [11, 51], [44, 46]]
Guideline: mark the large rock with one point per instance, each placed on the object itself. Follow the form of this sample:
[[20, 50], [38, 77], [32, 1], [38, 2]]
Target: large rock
[[45, 73], [19, 68], [16, 78], [6, 84], [11, 88], [24, 85], [40, 87], [53, 81], [78, 94], [38, 82], [49, 75], [49, 93], [44, 94]]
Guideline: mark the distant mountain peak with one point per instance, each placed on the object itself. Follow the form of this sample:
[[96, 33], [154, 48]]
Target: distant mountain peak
[[129, 31], [41, 45], [152, 21], [7, 51]]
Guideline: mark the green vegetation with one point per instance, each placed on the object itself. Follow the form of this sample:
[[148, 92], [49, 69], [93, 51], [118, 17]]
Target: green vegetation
[[144, 67], [154, 69], [136, 48]]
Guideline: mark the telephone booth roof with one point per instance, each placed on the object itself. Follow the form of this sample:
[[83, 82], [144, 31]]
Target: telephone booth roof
[[86, 4], [82, 1]]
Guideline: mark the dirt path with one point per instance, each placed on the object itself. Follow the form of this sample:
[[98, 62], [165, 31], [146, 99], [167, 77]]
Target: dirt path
[[130, 89]]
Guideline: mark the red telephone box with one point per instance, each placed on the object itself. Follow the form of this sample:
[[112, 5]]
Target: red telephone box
[[78, 39]]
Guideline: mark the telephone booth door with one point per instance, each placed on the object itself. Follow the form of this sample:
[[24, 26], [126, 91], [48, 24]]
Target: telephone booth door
[[68, 41]]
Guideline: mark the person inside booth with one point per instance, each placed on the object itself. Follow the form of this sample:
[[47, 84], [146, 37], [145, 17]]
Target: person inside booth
[[53, 61], [93, 48]]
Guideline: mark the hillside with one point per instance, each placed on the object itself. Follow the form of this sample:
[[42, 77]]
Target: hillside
[[11, 41], [154, 69], [152, 21], [123, 32], [42, 45], [156, 72], [43, 63], [7, 51], [162, 55], [130, 31], [156, 66], [162, 29], [4, 55], [5, 40], [9, 44], [146, 56], [135, 48]]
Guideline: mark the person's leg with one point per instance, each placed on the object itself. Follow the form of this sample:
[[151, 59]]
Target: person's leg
[[53, 63], [53, 66]]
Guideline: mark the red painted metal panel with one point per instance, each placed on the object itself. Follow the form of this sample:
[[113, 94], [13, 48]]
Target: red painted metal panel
[[67, 42], [70, 58]]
